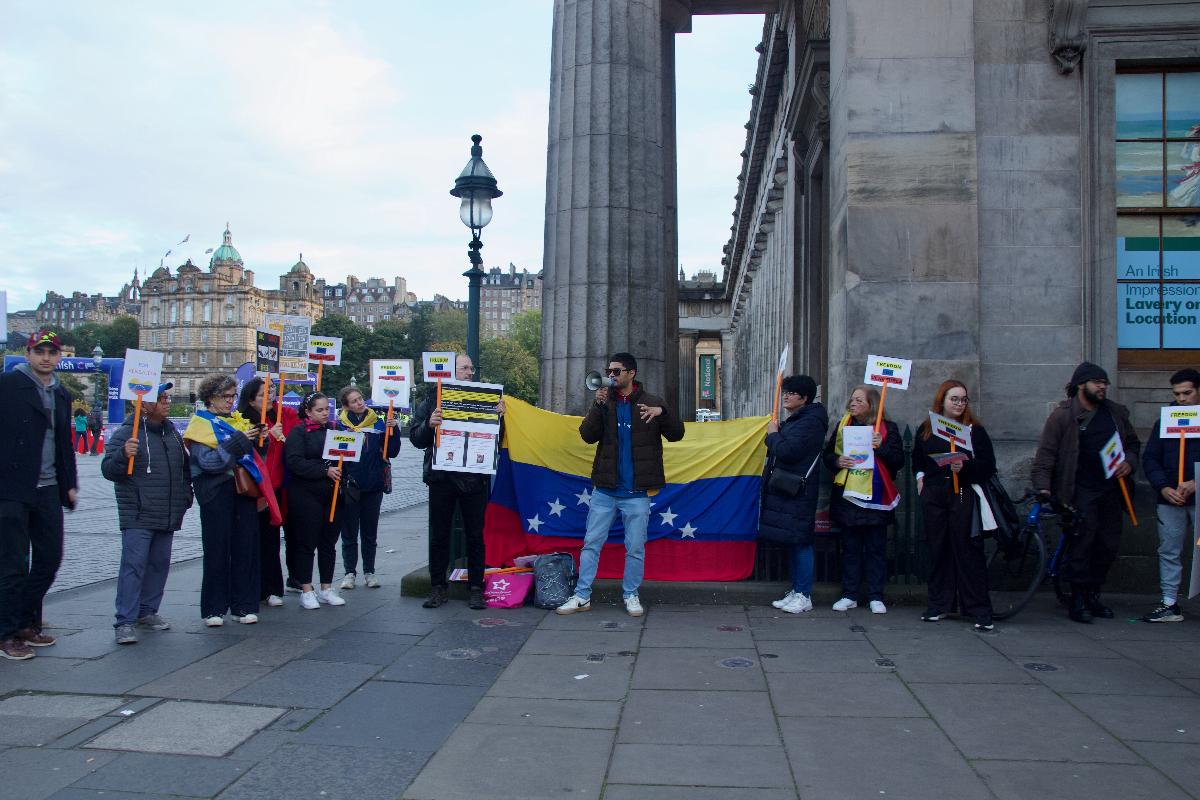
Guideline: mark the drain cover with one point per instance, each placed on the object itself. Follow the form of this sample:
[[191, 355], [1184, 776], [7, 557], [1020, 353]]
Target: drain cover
[[1036, 667], [728, 628], [459, 654], [610, 626], [767, 655], [735, 663], [595, 657], [627, 653], [858, 629], [491, 622], [884, 662]]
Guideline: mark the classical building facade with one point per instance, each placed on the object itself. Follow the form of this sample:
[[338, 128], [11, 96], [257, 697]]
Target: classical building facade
[[505, 294], [367, 302], [703, 318], [204, 321]]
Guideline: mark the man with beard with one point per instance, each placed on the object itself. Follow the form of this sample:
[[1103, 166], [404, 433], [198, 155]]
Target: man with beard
[[1068, 467]]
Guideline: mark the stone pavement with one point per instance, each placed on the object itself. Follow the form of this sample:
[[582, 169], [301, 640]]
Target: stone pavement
[[384, 699]]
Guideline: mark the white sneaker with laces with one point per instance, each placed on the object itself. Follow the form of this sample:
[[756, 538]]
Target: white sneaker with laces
[[214, 621], [799, 603], [845, 604], [369, 581], [634, 606], [877, 607], [348, 582], [247, 619], [274, 601], [309, 600], [783, 601], [330, 596], [576, 603]]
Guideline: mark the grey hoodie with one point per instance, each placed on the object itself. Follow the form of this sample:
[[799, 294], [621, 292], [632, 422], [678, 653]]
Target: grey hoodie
[[47, 477]]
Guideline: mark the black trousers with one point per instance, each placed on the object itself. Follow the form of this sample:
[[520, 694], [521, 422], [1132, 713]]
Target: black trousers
[[856, 539], [309, 515], [31, 547], [270, 572], [958, 572], [1092, 550], [442, 498], [95, 439], [229, 533], [361, 518]]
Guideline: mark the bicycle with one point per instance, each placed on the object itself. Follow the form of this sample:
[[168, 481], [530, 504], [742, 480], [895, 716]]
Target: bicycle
[[1015, 572]]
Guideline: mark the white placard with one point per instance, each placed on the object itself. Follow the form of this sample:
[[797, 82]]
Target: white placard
[[344, 445], [1179, 422], [325, 349], [857, 444], [437, 365], [1112, 455], [142, 375], [451, 451], [470, 430], [294, 333], [951, 431], [391, 382], [893, 372]]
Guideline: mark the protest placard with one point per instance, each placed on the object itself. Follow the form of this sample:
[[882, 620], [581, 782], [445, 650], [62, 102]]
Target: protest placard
[[953, 432], [1112, 456], [344, 446], [437, 366], [294, 334], [857, 444], [142, 375], [470, 429], [324, 350], [266, 353], [884, 371], [391, 382], [1179, 422]]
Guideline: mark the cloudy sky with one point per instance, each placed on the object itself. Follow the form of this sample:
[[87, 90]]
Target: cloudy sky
[[332, 129]]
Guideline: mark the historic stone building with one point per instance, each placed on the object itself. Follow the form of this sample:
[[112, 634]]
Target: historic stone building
[[703, 318], [67, 313], [503, 295], [205, 321], [367, 302]]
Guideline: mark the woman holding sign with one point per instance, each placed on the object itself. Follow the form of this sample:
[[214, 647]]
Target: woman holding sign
[[958, 570], [310, 496]]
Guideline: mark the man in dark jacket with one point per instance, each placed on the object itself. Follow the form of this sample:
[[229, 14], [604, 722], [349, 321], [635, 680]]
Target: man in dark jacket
[[95, 424], [447, 489], [627, 469], [35, 444], [1176, 496], [1068, 467], [151, 503]]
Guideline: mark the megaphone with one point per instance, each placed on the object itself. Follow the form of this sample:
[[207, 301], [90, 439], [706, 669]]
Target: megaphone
[[594, 381]]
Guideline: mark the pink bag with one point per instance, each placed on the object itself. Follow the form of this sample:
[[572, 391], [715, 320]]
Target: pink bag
[[507, 590]]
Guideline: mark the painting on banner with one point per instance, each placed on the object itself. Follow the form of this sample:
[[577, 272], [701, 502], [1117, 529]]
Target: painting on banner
[[143, 372], [470, 430], [294, 334], [391, 382], [266, 353]]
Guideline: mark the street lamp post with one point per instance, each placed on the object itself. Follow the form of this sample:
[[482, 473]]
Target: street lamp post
[[476, 186], [97, 357]]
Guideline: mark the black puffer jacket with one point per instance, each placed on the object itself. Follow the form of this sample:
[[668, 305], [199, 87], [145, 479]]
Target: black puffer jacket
[[890, 453], [159, 492], [794, 448]]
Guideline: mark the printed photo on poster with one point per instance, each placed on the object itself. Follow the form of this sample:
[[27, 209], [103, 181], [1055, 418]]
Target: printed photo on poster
[[470, 435]]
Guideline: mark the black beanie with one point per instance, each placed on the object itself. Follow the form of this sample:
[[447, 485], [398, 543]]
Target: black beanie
[[1087, 371]]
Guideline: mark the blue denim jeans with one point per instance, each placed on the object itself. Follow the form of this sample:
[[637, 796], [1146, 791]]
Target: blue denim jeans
[[1172, 534], [635, 513], [145, 561], [800, 562]]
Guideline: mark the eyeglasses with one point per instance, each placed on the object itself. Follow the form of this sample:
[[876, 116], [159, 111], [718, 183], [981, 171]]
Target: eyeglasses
[[958, 401], [230, 396], [785, 393], [615, 371]]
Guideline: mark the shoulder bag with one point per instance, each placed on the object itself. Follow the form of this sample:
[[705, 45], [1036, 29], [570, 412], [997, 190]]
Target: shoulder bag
[[787, 483]]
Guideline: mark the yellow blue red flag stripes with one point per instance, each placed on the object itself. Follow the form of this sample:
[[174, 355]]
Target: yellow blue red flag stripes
[[209, 429], [703, 524]]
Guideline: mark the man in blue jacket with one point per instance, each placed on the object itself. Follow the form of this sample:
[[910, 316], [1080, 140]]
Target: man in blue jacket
[[1176, 500], [35, 445]]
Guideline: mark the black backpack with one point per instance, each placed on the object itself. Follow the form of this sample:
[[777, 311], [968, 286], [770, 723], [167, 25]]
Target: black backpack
[[554, 579]]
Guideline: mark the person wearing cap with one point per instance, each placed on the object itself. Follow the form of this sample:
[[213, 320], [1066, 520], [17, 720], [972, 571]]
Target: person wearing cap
[[151, 502], [1068, 468], [40, 479]]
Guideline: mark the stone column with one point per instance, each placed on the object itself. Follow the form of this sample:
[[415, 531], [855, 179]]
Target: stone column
[[609, 279]]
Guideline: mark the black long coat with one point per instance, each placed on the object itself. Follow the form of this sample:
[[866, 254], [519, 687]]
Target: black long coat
[[794, 447], [22, 434]]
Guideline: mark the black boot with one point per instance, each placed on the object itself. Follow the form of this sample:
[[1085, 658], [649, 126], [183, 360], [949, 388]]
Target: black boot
[[1079, 605], [477, 603], [1097, 608], [437, 596]]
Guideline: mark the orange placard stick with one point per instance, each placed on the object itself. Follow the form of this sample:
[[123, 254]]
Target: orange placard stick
[[336, 486], [953, 474], [387, 429], [320, 366], [137, 415], [879, 421], [279, 402], [1182, 442], [778, 384], [1128, 504], [437, 434]]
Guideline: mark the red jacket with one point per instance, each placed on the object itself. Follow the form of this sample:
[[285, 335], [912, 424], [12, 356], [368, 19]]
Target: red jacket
[[275, 458]]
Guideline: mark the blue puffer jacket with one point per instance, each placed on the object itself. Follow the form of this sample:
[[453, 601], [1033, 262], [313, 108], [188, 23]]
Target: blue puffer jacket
[[798, 442]]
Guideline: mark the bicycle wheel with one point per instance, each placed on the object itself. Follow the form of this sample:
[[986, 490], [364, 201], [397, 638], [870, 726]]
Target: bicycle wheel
[[1013, 576]]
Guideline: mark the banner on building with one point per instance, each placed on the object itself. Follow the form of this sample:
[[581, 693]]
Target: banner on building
[[708, 377]]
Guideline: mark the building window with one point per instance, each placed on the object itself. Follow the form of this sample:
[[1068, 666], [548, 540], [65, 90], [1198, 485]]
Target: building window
[[171, 336], [170, 358], [204, 336], [154, 316], [227, 358], [203, 358], [171, 314], [274, 304], [185, 336], [228, 337], [183, 357], [187, 313], [229, 314], [1158, 216], [153, 337], [207, 310]]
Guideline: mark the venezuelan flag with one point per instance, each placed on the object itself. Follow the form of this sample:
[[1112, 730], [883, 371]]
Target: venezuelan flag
[[703, 524]]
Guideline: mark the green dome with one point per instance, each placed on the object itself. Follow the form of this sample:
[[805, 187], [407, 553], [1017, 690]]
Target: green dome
[[226, 255]]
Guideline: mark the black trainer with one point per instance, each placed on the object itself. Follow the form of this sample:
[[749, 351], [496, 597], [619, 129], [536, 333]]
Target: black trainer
[[477, 601], [437, 596], [984, 624], [1080, 611], [292, 585], [1098, 609], [1165, 613], [931, 615]]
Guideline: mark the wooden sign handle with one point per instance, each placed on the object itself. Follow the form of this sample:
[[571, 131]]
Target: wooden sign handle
[[336, 486], [1182, 442], [778, 386], [1128, 504], [387, 429], [320, 366], [953, 474], [879, 416], [437, 434], [137, 414]]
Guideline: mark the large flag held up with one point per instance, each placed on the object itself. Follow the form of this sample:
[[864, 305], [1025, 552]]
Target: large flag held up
[[703, 524]]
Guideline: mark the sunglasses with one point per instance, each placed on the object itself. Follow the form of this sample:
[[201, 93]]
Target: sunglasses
[[615, 371]]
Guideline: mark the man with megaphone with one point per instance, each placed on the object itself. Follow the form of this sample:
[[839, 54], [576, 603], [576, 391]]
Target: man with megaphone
[[627, 469]]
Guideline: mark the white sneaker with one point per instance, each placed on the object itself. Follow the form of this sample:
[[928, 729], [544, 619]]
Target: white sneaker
[[576, 603], [247, 619], [845, 604], [330, 596], [787, 598], [214, 621], [799, 603], [274, 601], [877, 607], [369, 581], [309, 600], [348, 581], [634, 606]]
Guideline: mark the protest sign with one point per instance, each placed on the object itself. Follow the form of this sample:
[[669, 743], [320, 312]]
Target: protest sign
[[470, 429], [953, 432], [324, 350], [344, 446], [1112, 456], [1180, 422], [885, 372], [142, 375], [294, 334], [266, 353], [391, 383], [437, 366], [857, 444]]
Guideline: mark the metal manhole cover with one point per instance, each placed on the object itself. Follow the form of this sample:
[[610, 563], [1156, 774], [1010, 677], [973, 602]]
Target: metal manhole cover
[[595, 657], [627, 653], [767, 655], [459, 654], [858, 629], [491, 622], [728, 628], [735, 663], [1036, 667], [610, 626], [884, 662]]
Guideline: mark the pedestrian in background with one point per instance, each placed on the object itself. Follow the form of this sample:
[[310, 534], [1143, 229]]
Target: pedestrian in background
[[373, 473], [310, 497], [151, 502], [95, 423], [80, 431], [791, 482], [218, 441], [958, 581], [863, 523], [255, 394]]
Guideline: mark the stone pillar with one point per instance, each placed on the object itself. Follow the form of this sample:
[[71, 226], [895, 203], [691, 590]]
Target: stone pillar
[[687, 374], [609, 280]]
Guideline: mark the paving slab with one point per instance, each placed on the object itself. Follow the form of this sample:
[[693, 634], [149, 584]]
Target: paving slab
[[959, 641], [1019, 780], [468, 633], [848, 694], [349, 651], [186, 728], [910, 759], [395, 716], [1051, 645], [700, 765], [1121, 629], [699, 636], [1169, 659], [91, 642], [499, 762], [265, 651], [59, 705], [1150, 719], [579, 643], [426, 665], [819, 656], [189, 776], [1179, 762], [296, 719], [260, 746], [1108, 676], [30, 731], [541, 713], [299, 770], [70, 793], [960, 669], [691, 717], [554, 677], [767, 629], [598, 618], [203, 680], [627, 792], [36, 773], [86, 732], [16, 675], [133, 666], [695, 617], [340, 634], [306, 684], [697, 668], [958, 709]]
